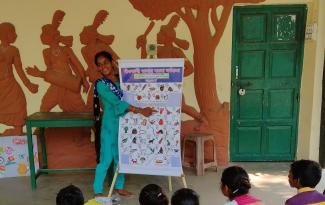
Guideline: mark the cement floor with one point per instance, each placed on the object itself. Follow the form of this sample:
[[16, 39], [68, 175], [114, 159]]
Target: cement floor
[[269, 184]]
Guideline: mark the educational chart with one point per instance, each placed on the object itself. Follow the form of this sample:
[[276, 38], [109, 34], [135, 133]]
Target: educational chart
[[14, 159], [151, 145]]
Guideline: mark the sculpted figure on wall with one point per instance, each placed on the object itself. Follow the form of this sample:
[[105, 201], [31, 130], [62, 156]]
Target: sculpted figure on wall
[[169, 46], [13, 102], [199, 17], [95, 42], [64, 71]]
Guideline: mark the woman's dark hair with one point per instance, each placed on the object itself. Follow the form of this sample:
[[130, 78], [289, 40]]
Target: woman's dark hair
[[237, 181], [104, 54], [152, 194], [185, 197], [70, 195], [308, 172]]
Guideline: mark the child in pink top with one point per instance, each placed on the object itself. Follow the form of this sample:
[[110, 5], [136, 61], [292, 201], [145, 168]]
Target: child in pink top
[[235, 185]]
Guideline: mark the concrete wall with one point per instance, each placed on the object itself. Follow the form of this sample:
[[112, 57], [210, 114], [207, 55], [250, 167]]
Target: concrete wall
[[316, 60]]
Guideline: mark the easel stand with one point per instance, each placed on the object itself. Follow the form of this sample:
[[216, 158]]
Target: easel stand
[[170, 186]]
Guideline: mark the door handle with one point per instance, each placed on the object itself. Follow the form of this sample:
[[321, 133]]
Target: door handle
[[241, 91]]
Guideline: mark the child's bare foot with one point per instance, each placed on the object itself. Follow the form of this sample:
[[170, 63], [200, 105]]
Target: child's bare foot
[[124, 192]]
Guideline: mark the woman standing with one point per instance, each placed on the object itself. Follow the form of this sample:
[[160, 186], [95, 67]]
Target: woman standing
[[107, 89]]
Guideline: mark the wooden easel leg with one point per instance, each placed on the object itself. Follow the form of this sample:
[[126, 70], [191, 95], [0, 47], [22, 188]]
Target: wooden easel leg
[[184, 180], [113, 182], [170, 186]]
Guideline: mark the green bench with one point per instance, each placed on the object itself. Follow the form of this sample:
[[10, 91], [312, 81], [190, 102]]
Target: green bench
[[43, 120]]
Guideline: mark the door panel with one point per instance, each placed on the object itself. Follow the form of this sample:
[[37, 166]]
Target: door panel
[[245, 136], [266, 71], [283, 63], [252, 64], [249, 32], [278, 140], [281, 104], [250, 105]]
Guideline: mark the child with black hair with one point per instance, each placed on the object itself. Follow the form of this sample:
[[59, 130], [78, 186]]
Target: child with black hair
[[152, 194], [304, 175], [70, 195], [185, 197], [235, 185]]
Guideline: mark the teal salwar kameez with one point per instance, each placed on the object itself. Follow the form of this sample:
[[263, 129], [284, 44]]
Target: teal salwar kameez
[[113, 108]]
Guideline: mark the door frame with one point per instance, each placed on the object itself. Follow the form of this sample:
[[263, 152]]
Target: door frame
[[322, 123], [236, 10]]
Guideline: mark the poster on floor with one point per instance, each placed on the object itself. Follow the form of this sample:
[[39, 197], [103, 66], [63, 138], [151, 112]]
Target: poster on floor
[[151, 145], [14, 159]]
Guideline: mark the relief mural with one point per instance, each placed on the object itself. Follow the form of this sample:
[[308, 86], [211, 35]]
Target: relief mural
[[13, 102], [66, 75]]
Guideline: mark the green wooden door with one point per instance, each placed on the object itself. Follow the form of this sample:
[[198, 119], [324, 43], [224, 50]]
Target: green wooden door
[[267, 61]]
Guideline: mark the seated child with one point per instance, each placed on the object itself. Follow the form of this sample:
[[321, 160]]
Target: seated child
[[304, 175], [185, 197], [152, 194], [235, 185], [70, 195]]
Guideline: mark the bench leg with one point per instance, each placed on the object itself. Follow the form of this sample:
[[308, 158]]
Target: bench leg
[[31, 156], [43, 146]]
